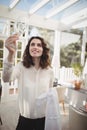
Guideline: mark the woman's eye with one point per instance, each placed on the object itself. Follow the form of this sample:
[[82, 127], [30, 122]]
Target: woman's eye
[[32, 44], [39, 45]]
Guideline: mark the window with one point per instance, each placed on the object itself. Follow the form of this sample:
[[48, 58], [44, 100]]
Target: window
[[19, 52]]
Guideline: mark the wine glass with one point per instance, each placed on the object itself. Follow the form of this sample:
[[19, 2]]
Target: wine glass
[[17, 27], [20, 26]]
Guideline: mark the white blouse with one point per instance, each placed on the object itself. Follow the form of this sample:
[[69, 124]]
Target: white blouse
[[31, 84]]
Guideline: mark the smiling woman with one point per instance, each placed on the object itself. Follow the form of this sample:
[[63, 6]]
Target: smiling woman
[[30, 72], [36, 49]]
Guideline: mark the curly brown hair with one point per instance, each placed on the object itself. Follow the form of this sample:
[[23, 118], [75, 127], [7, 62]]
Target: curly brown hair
[[45, 58]]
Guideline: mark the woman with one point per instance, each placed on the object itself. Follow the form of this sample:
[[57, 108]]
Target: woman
[[35, 77]]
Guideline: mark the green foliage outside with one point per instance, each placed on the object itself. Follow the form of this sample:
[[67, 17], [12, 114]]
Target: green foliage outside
[[77, 68], [70, 54]]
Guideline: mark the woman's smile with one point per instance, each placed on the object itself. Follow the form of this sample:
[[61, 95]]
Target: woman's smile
[[35, 48]]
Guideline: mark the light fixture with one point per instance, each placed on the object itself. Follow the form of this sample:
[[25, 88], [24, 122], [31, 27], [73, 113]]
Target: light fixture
[[78, 16], [38, 5], [58, 9], [13, 3]]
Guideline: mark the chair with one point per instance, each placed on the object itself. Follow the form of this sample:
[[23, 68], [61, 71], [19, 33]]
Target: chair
[[0, 100], [61, 91]]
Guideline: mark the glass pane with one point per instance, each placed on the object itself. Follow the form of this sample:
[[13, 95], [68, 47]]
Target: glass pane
[[19, 45], [18, 61], [12, 27], [11, 91], [1, 63], [1, 44], [1, 53], [18, 54]]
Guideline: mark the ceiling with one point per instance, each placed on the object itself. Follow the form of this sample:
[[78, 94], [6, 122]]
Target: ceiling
[[73, 16]]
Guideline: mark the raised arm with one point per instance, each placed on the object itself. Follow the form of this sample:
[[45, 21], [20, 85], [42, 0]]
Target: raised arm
[[8, 66]]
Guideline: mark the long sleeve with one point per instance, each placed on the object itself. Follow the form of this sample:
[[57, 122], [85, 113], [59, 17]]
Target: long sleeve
[[10, 72], [7, 70], [52, 79]]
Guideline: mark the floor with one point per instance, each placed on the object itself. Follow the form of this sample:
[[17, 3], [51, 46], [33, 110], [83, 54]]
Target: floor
[[9, 114]]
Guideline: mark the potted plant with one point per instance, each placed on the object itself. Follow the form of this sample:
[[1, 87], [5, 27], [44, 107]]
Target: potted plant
[[77, 69]]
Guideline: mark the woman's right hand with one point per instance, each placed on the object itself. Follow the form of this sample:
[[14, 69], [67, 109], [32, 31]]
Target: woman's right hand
[[10, 43]]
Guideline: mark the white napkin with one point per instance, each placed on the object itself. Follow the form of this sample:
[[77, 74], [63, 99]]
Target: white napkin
[[53, 118], [49, 104]]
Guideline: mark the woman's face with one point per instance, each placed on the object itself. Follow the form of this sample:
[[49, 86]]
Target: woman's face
[[35, 48]]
